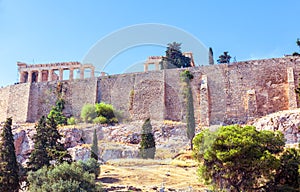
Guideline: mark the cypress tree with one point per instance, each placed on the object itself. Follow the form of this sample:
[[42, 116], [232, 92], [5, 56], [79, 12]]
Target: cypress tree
[[39, 156], [94, 148], [147, 145], [9, 178], [190, 117], [210, 56]]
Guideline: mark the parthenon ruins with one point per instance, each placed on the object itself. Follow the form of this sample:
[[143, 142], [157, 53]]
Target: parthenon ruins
[[47, 72]]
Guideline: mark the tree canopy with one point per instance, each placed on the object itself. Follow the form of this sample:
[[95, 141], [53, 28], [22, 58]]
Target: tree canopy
[[174, 57], [240, 158], [9, 178], [225, 58]]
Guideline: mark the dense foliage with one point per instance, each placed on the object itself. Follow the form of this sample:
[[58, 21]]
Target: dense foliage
[[225, 58], [236, 158], [174, 57], [147, 144], [186, 77], [101, 113], [46, 145], [61, 178], [88, 113], [57, 113], [9, 178], [91, 166]]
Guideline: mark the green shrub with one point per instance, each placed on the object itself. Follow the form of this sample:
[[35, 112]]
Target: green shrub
[[100, 120], [91, 166], [88, 113], [113, 120], [105, 110], [63, 177], [71, 121]]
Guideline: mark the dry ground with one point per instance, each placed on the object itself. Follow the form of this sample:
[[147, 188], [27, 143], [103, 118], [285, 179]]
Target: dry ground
[[150, 175]]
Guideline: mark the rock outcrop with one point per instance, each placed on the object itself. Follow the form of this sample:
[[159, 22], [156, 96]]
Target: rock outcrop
[[288, 122], [120, 141]]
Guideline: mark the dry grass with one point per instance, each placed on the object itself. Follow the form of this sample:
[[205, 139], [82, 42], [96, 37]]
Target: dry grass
[[146, 174]]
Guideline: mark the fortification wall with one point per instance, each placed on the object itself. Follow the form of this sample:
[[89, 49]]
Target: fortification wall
[[4, 96], [75, 93], [227, 94]]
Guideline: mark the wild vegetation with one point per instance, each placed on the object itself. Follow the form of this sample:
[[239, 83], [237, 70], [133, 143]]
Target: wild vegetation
[[186, 78], [147, 144], [9, 176], [236, 158], [100, 113], [174, 57]]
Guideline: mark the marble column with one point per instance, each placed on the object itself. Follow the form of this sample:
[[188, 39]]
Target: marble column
[[71, 74], [22, 78], [29, 76], [157, 66], [40, 76], [82, 73], [146, 67], [50, 74], [61, 74], [92, 72]]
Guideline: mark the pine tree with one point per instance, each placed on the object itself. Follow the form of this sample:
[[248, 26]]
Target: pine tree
[[9, 178], [55, 149], [94, 148], [39, 156], [174, 57], [147, 145]]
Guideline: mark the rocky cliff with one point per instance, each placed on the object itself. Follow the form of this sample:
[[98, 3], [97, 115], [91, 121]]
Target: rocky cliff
[[122, 141]]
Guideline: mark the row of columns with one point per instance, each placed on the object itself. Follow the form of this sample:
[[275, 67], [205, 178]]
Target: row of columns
[[51, 73]]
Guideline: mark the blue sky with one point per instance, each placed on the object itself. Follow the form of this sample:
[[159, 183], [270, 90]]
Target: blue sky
[[35, 31]]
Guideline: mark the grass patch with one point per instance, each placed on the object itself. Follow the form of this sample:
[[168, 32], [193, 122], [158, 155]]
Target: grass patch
[[137, 162]]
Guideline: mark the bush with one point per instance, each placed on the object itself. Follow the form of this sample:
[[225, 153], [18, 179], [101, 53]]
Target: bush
[[100, 120], [105, 110], [88, 113], [63, 177], [91, 166], [113, 120], [71, 121]]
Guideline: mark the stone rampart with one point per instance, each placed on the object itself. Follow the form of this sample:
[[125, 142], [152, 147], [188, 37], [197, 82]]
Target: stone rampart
[[233, 93]]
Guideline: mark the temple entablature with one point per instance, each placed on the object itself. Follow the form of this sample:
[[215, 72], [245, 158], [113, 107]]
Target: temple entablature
[[52, 71]]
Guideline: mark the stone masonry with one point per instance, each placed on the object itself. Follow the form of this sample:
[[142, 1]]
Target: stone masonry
[[223, 94]]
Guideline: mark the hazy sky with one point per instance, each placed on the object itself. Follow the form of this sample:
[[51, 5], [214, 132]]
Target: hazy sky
[[35, 31]]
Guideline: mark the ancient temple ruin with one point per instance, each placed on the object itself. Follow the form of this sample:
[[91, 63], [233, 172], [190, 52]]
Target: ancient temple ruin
[[51, 71], [157, 61]]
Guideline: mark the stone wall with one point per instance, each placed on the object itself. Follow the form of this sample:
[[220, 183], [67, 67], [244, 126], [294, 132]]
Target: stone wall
[[4, 95], [223, 94]]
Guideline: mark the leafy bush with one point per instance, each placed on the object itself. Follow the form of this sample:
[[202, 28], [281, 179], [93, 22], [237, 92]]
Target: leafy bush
[[57, 112], [63, 177], [100, 120], [113, 120], [88, 113], [105, 110], [91, 166], [71, 121]]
